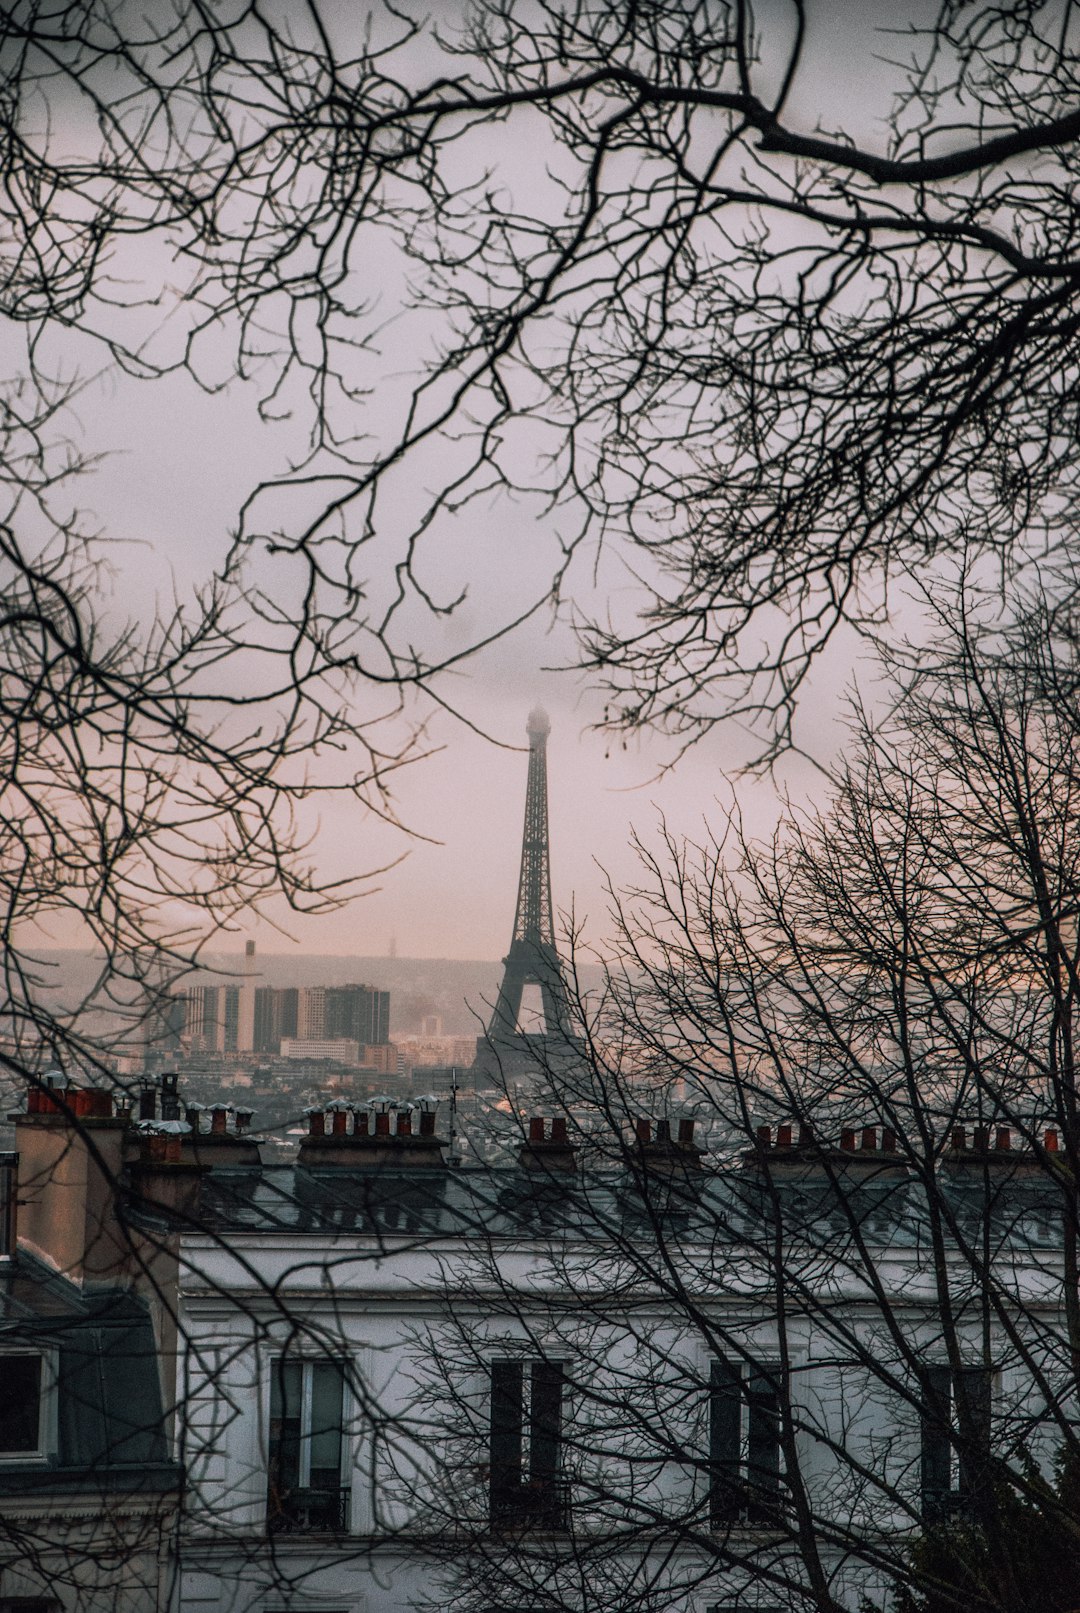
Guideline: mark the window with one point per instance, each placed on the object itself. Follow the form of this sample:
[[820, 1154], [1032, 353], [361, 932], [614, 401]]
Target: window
[[744, 1442], [307, 1401], [22, 1406], [955, 1437], [526, 1445]]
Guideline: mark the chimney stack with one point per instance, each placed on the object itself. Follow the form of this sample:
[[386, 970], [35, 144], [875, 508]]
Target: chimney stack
[[543, 1152], [70, 1160], [665, 1154], [393, 1142]]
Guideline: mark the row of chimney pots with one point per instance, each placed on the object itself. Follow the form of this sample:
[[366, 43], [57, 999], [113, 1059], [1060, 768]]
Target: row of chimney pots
[[342, 1119], [100, 1103], [864, 1140]]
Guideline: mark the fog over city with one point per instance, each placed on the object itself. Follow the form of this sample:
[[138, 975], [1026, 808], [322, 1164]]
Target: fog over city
[[171, 462], [539, 806]]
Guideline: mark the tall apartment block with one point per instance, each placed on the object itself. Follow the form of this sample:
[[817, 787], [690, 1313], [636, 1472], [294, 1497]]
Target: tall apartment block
[[211, 1019], [249, 1018]]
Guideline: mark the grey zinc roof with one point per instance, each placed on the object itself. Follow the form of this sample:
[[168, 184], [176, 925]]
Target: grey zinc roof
[[886, 1208], [109, 1427]]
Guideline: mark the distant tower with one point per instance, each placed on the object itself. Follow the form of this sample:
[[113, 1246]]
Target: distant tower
[[245, 1030], [532, 959]]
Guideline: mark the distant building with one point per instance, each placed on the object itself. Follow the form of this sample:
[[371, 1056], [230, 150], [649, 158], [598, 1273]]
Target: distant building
[[384, 1057], [261, 1019], [211, 1018], [421, 1052], [230, 1019], [266, 1033], [311, 1014], [289, 1011], [339, 1050], [358, 1011], [245, 1030]]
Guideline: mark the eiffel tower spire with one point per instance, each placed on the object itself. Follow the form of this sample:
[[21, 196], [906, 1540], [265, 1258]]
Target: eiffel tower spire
[[532, 959]]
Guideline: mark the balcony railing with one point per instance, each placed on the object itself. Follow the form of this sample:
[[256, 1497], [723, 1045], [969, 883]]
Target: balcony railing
[[307, 1512], [734, 1504], [543, 1506]]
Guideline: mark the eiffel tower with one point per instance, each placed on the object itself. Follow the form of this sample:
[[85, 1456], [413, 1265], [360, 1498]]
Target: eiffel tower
[[532, 960]]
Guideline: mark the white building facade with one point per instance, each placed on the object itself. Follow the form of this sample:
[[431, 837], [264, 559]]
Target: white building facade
[[641, 1385]]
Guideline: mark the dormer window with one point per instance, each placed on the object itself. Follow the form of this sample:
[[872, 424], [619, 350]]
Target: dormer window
[[23, 1385]]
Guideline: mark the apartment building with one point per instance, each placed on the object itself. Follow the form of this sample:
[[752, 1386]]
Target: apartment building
[[616, 1375]]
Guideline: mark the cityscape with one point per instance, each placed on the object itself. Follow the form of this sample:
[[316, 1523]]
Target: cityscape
[[539, 807]]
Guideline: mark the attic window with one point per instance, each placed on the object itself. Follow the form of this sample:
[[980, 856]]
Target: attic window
[[22, 1382]]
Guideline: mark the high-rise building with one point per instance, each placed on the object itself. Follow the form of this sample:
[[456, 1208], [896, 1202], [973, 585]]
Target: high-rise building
[[214, 1016], [245, 1025], [288, 1011], [230, 1019], [211, 1019], [360, 1013], [266, 1032], [311, 1014]]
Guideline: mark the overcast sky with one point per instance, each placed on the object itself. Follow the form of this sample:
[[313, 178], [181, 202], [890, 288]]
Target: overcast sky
[[178, 464]]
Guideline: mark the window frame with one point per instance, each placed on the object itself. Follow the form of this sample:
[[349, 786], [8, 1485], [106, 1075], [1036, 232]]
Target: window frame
[[941, 1442], [737, 1495], [275, 1359], [45, 1447], [527, 1489]]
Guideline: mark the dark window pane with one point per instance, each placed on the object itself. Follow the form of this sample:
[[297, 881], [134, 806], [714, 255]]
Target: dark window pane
[[763, 1431], [725, 1423], [286, 1381], [327, 1397], [936, 1440], [505, 1449], [20, 1402], [545, 1423], [971, 1396]]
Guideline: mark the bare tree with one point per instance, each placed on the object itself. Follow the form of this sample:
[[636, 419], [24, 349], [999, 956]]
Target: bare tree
[[838, 1363], [683, 297], [783, 366]]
